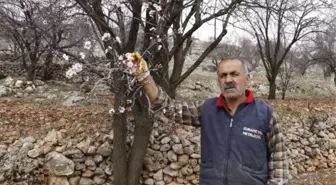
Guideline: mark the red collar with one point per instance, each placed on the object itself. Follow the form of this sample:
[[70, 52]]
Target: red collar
[[221, 102]]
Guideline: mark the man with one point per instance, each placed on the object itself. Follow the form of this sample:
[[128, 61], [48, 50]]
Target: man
[[241, 142]]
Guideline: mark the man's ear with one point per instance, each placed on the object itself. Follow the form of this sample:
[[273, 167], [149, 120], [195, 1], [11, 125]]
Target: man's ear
[[248, 80]]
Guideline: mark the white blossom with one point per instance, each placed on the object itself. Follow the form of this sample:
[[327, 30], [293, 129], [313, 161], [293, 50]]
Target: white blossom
[[118, 40], [45, 22], [152, 12], [121, 109], [74, 69], [108, 49], [82, 55], [129, 101], [87, 45], [157, 7], [106, 37], [180, 31], [152, 29], [130, 64], [121, 57], [159, 47], [111, 111], [66, 57]]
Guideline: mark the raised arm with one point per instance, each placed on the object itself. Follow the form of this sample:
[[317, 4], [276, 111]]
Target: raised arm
[[279, 156], [186, 113]]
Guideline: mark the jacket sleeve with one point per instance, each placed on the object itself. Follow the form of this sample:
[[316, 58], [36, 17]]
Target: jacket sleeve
[[279, 155], [186, 113]]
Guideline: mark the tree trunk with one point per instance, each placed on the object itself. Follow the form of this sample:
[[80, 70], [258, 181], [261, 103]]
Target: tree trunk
[[283, 94], [31, 73], [143, 127], [119, 156], [272, 89], [47, 72]]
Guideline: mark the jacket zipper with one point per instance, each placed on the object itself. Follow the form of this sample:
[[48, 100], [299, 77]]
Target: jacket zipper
[[228, 152]]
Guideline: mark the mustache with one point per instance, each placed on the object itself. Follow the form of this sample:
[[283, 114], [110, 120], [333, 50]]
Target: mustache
[[229, 85]]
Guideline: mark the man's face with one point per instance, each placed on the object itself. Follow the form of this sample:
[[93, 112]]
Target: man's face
[[231, 79]]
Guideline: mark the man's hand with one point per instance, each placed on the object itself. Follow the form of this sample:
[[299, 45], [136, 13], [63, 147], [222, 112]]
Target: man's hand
[[142, 68], [143, 75]]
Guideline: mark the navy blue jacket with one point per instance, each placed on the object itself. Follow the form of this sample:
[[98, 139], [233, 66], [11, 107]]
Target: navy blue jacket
[[234, 148]]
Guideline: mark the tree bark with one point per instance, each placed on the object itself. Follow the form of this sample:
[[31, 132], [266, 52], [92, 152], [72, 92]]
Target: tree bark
[[31, 72], [47, 72], [119, 155], [143, 127], [272, 89], [335, 79]]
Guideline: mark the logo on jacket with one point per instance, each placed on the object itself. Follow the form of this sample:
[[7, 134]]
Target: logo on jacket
[[251, 132]]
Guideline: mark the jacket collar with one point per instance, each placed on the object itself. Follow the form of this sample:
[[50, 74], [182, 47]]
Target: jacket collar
[[221, 101]]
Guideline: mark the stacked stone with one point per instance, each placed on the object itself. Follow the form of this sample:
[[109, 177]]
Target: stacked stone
[[20, 88], [172, 158], [173, 155], [312, 147]]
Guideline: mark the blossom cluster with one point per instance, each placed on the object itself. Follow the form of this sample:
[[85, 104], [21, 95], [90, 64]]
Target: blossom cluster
[[76, 68], [125, 63]]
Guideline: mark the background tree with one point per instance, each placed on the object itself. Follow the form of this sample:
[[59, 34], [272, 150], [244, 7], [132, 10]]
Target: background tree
[[277, 25], [34, 28], [324, 50]]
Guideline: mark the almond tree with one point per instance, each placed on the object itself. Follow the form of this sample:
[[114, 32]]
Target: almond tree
[[167, 28], [36, 28]]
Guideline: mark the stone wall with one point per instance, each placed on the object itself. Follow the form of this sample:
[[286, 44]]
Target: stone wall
[[172, 157]]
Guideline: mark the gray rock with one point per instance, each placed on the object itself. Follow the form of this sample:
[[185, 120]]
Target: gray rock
[[183, 160], [175, 166], [158, 176], [172, 157], [29, 89], [58, 180], [322, 134], [3, 150], [99, 171], [90, 162], [167, 170], [109, 168], [185, 142], [9, 82], [4, 91], [105, 149], [149, 181], [155, 147], [97, 158], [178, 149], [34, 153], [196, 156], [165, 147], [59, 165], [86, 181], [74, 153], [28, 140], [74, 180], [165, 140], [332, 144], [18, 84], [175, 139], [188, 150], [159, 183], [73, 101], [91, 150], [98, 179], [53, 137]]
